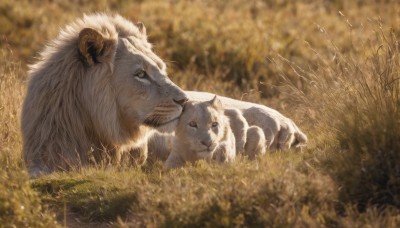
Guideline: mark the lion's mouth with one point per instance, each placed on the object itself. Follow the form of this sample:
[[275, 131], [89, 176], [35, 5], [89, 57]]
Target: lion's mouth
[[205, 154], [163, 115], [155, 121]]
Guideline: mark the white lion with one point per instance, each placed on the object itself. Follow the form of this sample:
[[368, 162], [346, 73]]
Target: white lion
[[97, 91], [280, 132], [256, 128], [218, 134], [202, 132]]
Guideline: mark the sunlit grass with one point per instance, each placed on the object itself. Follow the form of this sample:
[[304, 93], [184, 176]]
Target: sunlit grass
[[20, 205], [332, 66]]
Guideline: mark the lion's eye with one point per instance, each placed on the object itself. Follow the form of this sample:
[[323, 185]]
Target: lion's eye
[[140, 74], [214, 124], [193, 124]]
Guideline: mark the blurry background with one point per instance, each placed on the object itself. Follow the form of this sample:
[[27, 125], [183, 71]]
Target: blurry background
[[232, 44]]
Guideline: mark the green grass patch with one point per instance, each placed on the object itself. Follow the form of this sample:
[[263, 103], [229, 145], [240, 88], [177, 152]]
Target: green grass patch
[[93, 197], [20, 205]]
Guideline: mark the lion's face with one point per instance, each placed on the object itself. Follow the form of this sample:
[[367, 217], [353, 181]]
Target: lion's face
[[145, 95], [200, 128], [128, 83], [98, 86]]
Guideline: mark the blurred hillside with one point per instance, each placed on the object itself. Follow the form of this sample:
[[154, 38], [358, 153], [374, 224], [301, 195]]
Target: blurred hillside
[[236, 43]]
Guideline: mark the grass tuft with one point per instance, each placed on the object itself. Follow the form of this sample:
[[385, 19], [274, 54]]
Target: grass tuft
[[369, 132], [357, 101], [20, 205]]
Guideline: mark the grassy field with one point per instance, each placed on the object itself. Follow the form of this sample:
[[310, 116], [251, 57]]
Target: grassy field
[[331, 65]]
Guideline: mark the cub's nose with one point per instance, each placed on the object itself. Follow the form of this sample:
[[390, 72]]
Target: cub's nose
[[181, 101]]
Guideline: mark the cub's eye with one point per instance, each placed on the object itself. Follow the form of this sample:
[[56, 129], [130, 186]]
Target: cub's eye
[[214, 124], [193, 124], [140, 74]]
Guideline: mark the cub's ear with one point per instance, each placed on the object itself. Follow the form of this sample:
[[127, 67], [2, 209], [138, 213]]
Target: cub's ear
[[216, 103], [95, 48], [141, 28]]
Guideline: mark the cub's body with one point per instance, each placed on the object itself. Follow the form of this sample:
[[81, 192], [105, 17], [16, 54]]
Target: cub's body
[[202, 132]]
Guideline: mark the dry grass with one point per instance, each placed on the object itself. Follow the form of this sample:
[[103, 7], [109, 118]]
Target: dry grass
[[333, 66], [20, 205]]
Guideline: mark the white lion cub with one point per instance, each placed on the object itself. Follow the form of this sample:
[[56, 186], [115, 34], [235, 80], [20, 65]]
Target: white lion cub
[[202, 132]]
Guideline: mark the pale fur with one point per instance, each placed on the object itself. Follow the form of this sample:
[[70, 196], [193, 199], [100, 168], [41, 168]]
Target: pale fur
[[250, 140], [239, 128], [197, 138], [160, 146], [269, 129], [280, 132], [256, 143], [84, 100]]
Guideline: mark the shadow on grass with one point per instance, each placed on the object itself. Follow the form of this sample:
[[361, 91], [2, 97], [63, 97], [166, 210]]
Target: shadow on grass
[[92, 201]]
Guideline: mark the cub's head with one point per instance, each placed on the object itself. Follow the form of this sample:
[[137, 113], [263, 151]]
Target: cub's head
[[124, 73], [200, 129]]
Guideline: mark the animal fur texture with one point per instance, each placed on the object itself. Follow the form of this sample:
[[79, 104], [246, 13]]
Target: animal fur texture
[[202, 132], [97, 91]]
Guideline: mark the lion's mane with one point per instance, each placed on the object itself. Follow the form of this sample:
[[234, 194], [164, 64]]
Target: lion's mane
[[70, 115]]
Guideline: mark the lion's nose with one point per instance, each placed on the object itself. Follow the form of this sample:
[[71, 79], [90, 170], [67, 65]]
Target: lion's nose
[[181, 101], [206, 143]]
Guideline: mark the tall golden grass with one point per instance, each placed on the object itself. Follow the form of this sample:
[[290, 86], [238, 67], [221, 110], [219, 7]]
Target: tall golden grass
[[20, 206]]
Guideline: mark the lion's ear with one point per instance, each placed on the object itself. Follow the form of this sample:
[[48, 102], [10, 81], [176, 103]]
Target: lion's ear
[[141, 28], [94, 47], [216, 103]]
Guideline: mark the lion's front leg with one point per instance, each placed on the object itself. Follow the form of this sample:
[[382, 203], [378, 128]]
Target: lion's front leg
[[135, 156], [280, 132], [225, 152], [239, 128], [255, 142], [174, 161], [159, 146]]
